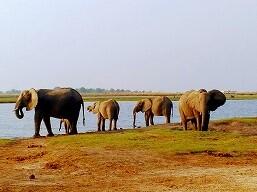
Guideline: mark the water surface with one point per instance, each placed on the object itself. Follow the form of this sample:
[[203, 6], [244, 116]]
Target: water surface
[[12, 127]]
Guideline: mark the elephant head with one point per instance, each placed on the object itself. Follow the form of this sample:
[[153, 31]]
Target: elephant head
[[28, 99], [211, 101], [143, 106], [94, 108]]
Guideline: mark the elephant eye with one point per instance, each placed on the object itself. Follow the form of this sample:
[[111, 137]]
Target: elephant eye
[[27, 96]]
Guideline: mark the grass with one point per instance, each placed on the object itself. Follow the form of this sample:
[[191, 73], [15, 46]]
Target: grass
[[135, 97], [246, 120], [5, 141], [161, 140], [8, 99]]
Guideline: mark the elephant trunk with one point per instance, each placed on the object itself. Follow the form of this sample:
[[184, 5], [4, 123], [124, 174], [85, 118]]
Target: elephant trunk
[[134, 120], [19, 113], [205, 115], [205, 121]]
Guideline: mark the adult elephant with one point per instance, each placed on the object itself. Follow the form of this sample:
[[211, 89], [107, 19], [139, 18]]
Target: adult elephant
[[156, 106], [62, 103], [105, 110], [195, 106]]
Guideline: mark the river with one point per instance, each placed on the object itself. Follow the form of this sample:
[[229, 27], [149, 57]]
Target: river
[[11, 127]]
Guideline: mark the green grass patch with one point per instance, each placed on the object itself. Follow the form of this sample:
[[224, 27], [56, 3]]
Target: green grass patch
[[8, 99], [5, 141], [160, 140], [245, 120]]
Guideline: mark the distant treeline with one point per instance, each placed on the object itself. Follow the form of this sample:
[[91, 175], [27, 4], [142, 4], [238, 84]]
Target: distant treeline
[[86, 90], [101, 90]]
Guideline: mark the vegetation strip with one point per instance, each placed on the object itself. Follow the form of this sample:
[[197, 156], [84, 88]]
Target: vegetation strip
[[134, 97], [164, 139]]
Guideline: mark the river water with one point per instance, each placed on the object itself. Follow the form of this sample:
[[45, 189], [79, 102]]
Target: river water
[[11, 127]]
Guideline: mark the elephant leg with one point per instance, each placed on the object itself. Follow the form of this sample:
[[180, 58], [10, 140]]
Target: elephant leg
[[168, 118], [66, 129], [184, 124], [48, 126], [199, 123], [115, 124], [73, 123], [183, 119], [194, 122], [151, 119], [37, 119], [146, 119], [110, 125], [99, 121], [103, 124]]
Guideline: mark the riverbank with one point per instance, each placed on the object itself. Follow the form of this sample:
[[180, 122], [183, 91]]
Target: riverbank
[[158, 158], [135, 97]]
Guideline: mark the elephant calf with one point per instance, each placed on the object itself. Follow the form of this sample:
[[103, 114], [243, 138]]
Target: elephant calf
[[66, 124], [105, 110], [156, 106]]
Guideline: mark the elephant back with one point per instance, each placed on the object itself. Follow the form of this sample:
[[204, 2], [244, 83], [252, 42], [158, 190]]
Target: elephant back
[[195, 100], [109, 109], [184, 106], [161, 106]]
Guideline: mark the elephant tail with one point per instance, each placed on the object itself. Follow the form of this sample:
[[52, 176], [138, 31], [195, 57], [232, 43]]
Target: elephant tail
[[171, 109], [60, 124], [83, 112]]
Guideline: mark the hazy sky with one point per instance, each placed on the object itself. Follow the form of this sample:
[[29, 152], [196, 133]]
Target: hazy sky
[[158, 45]]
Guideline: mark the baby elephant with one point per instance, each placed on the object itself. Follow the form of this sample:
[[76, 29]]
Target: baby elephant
[[67, 125], [105, 110]]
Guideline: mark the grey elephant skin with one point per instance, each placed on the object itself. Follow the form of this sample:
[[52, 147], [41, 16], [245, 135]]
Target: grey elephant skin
[[106, 110], [62, 103], [195, 106], [156, 106]]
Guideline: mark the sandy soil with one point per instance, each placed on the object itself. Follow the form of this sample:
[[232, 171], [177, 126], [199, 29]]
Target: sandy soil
[[29, 165]]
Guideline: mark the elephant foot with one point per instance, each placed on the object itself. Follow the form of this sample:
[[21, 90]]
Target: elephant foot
[[50, 135], [115, 129], [36, 136], [73, 133]]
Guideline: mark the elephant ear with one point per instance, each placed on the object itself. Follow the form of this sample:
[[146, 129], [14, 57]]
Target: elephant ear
[[215, 99], [147, 104], [196, 100], [33, 100], [96, 107]]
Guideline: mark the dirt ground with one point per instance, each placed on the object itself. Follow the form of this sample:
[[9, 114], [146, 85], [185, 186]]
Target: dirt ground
[[29, 165]]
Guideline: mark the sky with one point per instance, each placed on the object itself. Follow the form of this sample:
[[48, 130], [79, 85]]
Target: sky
[[154, 45]]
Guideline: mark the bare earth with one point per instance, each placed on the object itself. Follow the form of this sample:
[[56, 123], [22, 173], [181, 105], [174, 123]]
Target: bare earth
[[30, 165]]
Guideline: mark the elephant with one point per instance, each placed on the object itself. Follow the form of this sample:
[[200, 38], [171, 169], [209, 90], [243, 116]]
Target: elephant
[[105, 110], [62, 103], [156, 106], [67, 125], [195, 106]]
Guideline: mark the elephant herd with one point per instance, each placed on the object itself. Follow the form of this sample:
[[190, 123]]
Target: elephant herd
[[65, 104]]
